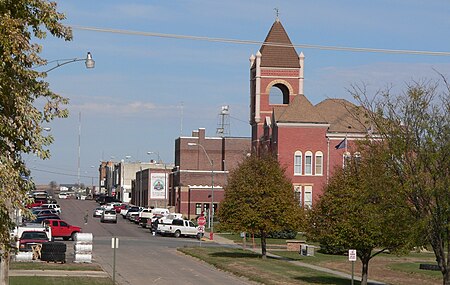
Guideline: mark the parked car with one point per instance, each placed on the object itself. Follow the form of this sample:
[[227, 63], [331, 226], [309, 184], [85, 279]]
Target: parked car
[[62, 229], [118, 208], [98, 212], [43, 211], [179, 228], [55, 207], [41, 218], [30, 238], [109, 216], [35, 204], [148, 213], [133, 209], [110, 206], [63, 196]]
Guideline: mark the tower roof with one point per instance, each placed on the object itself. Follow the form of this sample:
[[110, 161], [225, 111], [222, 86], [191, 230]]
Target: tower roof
[[277, 50]]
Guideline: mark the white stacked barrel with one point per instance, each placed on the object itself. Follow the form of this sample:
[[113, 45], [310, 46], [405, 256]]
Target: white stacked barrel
[[83, 247]]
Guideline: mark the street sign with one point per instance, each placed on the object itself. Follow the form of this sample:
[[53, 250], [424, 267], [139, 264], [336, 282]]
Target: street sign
[[352, 255], [201, 229], [201, 221], [114, 242]]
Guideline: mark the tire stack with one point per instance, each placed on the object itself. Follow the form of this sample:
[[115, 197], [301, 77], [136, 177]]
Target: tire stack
[[83, 248], [53, 252]]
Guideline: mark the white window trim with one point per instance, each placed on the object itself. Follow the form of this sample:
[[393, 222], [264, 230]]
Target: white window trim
[[308, 189], [298, 153], [309, 154], [318, 154], [299, 189]]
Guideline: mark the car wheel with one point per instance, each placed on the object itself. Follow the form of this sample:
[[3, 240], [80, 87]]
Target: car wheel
[[65, 238], [73, 236], [177, 234]]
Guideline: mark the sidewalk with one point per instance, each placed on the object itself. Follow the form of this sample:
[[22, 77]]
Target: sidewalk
[[227, 242]]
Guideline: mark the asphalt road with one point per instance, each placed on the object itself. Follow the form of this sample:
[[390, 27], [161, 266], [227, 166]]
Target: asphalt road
[[141, 258]]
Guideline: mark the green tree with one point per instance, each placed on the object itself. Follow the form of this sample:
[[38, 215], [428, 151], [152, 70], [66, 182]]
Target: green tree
[[361, 210], [415, 129], [259, 199], [21, 131]]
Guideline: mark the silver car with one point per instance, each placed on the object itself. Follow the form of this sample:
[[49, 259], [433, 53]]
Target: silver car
[[109, 216]]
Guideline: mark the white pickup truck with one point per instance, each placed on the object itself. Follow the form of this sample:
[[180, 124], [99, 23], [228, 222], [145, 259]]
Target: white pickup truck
[[179, 227], [149, 213]]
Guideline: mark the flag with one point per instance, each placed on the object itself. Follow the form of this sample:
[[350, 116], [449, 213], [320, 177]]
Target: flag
[[342, 144]]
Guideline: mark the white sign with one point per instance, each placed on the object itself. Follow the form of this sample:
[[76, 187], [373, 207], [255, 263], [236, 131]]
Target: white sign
[[114, 242], [352, 255], [201, 229], [158, 182]]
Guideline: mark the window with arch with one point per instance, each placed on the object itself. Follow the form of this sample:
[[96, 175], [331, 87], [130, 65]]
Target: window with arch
[[298, 163], [308, 163], [279, 94], [319, 163]]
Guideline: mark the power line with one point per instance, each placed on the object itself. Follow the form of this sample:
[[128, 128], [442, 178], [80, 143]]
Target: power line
[[59, 173], [250, 42]]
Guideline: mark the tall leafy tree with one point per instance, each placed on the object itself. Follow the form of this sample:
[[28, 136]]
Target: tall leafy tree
[[415, 128], [360, 209], [259, 199], [21, 130]]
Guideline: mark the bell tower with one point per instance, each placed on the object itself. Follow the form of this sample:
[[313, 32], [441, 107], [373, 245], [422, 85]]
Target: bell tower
[[276, 77]]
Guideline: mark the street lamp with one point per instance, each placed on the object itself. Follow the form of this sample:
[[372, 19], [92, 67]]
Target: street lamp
[[88, 61], [211, 223], [165, 175]]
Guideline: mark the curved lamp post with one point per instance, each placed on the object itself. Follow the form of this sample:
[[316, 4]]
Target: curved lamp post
[[89, 62], [211, 224]]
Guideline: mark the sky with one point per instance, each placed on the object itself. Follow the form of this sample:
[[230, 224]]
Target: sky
[[146, 91]]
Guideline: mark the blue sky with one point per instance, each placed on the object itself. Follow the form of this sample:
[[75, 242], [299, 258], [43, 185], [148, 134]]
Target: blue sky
[[130, 103]]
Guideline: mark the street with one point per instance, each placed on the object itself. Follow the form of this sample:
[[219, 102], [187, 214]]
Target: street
[[142, 258]]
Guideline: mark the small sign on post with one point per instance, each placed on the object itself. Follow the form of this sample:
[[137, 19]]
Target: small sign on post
[[114, 245], [352, 257], [114, 242]]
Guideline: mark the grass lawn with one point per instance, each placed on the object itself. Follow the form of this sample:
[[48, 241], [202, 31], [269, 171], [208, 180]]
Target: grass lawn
[[54, 266], [270, 241], [39, 280], [389, 268], [268, 271]]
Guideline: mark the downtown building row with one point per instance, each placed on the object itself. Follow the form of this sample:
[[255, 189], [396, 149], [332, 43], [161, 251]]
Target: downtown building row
[[308, 140]]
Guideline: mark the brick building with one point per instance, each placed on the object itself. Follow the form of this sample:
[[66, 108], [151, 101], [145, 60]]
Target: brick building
[[150, 187], [202, 165], [285, 123]]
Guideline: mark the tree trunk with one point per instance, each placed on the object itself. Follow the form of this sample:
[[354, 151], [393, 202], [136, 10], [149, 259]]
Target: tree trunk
[[446, 278], [365, 271], [263, 245], [4, 268]]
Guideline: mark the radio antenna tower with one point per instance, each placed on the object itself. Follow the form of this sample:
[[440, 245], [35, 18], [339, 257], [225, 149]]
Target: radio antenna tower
[[223, 123]]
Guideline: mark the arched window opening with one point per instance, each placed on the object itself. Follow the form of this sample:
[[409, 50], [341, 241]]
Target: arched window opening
[[298, 163], [279, 94], [319, 163], [308, 163]]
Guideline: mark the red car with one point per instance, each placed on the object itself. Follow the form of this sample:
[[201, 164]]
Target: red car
[[118, 208], [35, 204]]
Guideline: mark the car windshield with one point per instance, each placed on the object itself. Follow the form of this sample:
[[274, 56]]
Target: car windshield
[[110, 212], [34, 235]]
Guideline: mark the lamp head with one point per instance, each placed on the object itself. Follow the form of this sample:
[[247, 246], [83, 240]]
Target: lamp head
[[90, 63]]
